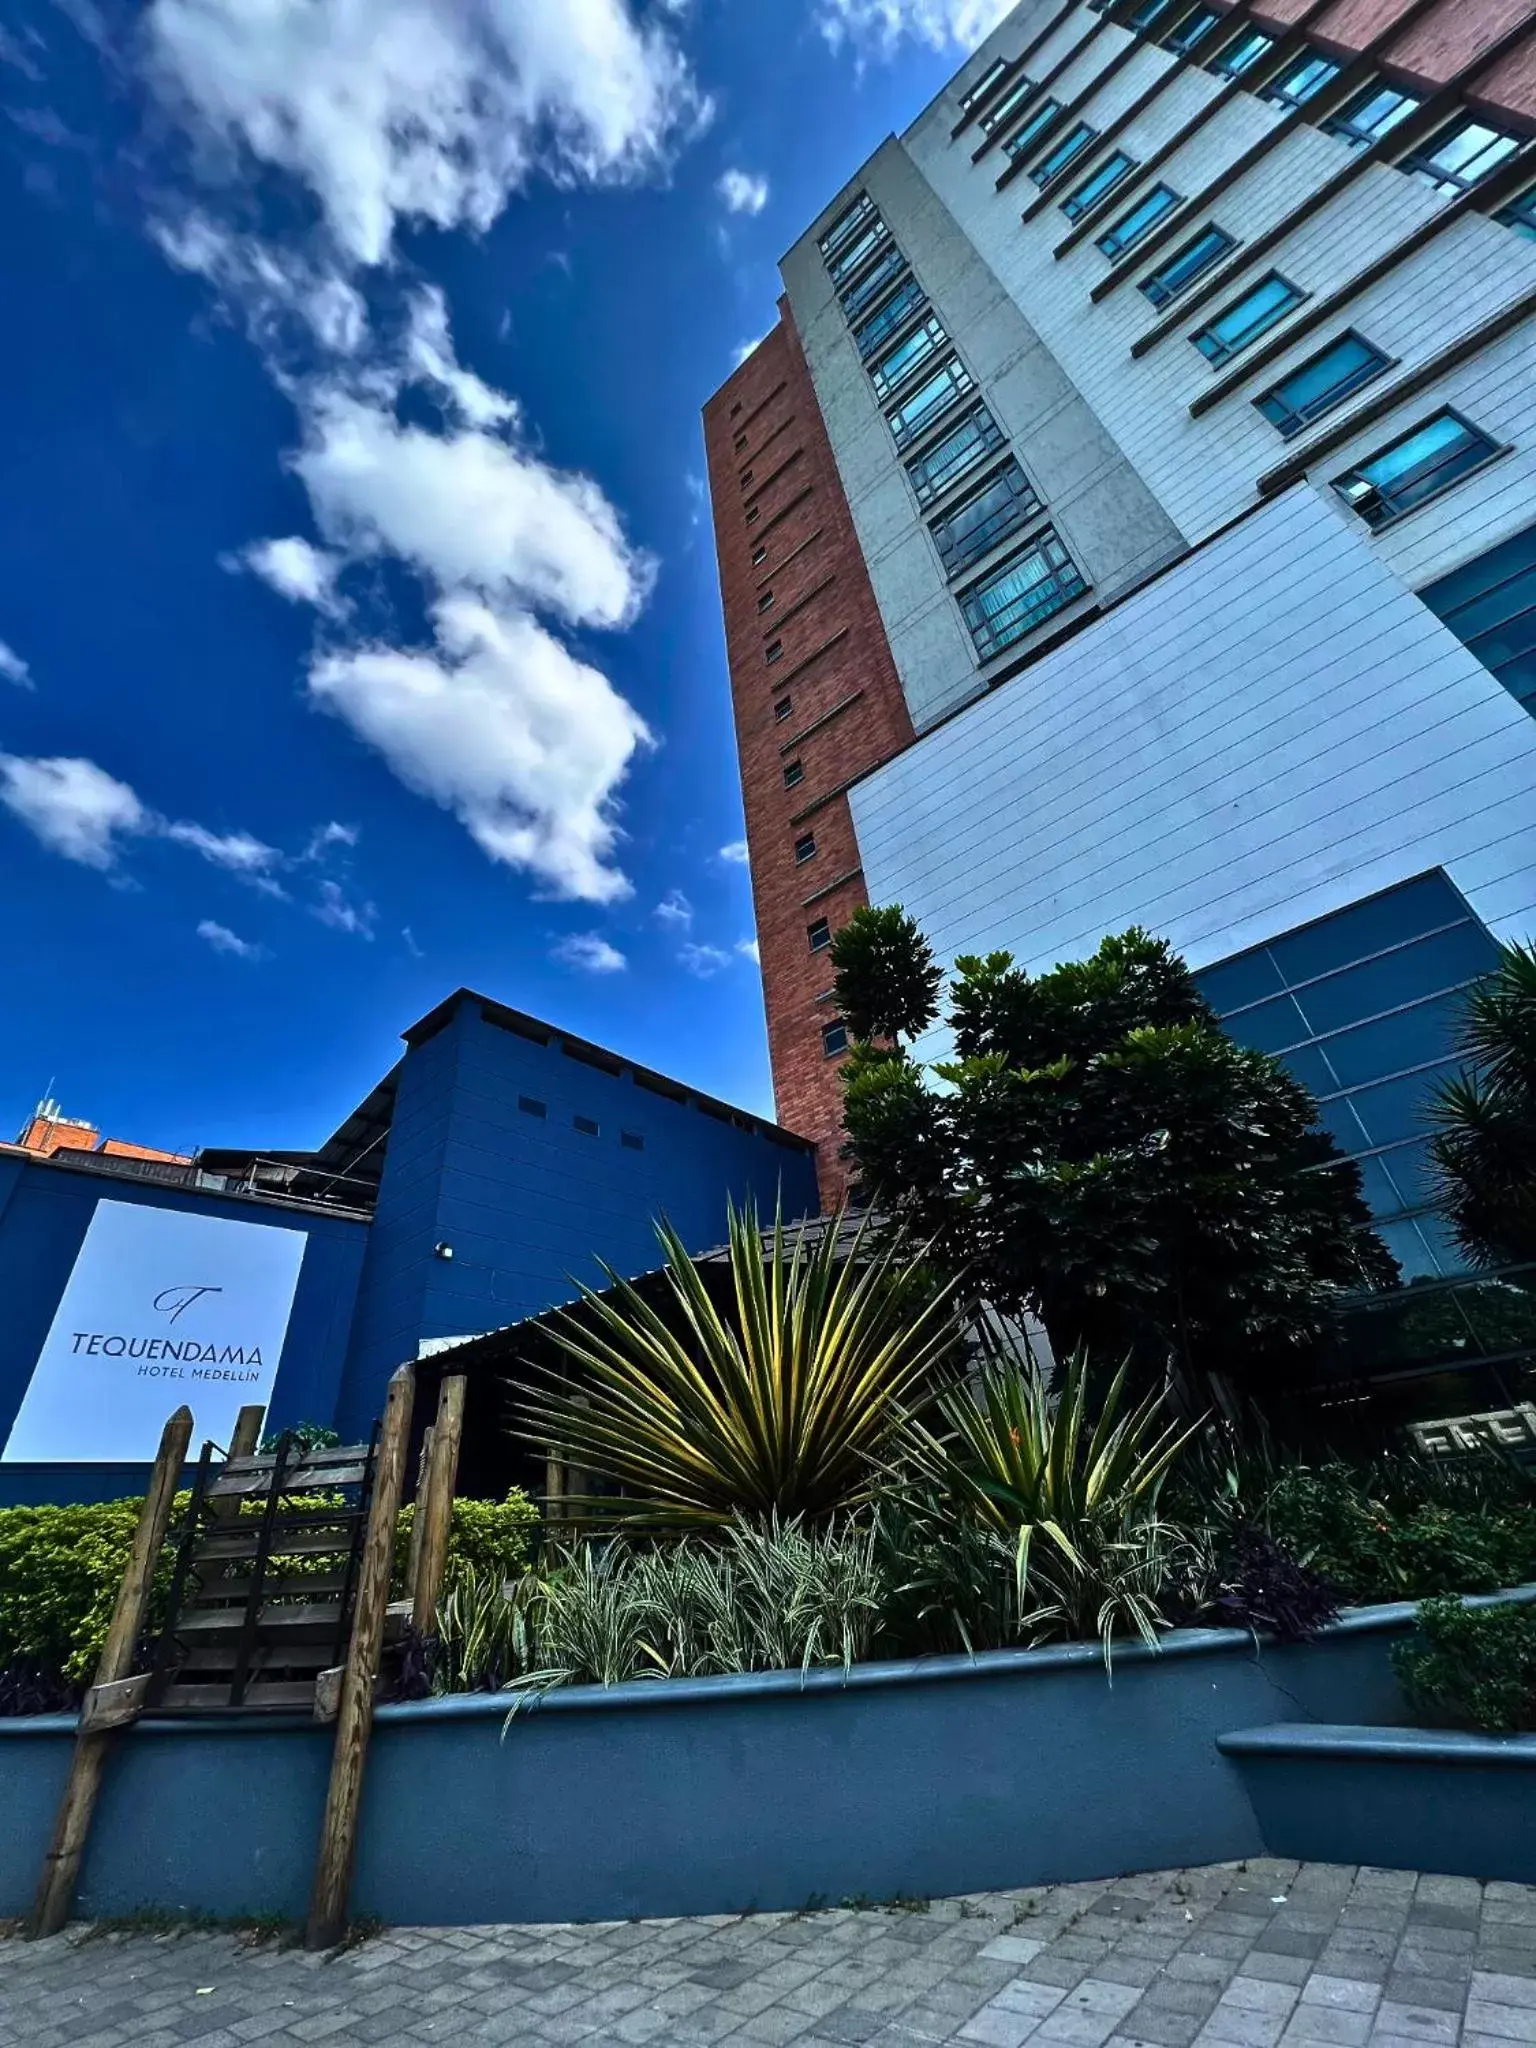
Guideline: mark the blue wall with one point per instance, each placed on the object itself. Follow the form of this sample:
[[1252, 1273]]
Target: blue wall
[[44, 1212], [530, 1203]]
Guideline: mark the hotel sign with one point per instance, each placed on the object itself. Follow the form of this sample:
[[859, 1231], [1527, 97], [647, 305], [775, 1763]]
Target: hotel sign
[[162, 1307], [1512, 1429]]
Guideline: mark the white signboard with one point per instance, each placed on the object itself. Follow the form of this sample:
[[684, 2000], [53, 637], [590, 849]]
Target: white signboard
[[162, 1307]]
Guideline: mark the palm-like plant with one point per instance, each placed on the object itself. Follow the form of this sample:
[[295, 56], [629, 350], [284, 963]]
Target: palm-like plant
[[776, 1407], [1484, 1146], [1076, 1498]]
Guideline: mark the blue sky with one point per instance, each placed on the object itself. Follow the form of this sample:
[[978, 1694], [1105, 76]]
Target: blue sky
[[359, 633]]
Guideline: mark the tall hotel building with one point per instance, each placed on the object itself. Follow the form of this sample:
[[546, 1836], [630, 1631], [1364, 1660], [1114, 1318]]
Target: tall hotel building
[[1132, 520]]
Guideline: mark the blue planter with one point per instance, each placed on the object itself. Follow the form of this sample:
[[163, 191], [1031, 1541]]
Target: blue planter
[[715, 1795], [1405, 1797]]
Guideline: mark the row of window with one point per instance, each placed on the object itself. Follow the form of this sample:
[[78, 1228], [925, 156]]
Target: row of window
[[588, 1126], [920, 381]]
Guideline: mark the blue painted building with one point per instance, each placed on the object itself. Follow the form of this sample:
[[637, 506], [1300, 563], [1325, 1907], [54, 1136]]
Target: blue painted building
[[492, 1169]]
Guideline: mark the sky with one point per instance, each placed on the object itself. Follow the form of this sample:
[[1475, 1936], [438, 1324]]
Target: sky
[[359, 628]]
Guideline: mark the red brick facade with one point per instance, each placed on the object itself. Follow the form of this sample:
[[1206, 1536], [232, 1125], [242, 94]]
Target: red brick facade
[[1437, 46], [808, 605]]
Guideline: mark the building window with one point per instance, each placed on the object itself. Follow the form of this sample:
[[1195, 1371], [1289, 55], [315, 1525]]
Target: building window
[[1461, 156], [834, 1039], [1034, 128], [990, 77], [906, 300], [1147, 14], [1193, 29], [1241, 55], [893, 370], [976, 525], [805, 849], [782, 709], [848, 222], [736, 408], [818, 936], [1301, 79], [1321, 383], [632, 1141], [947, 461], [759, 555], [1363, 1008], [773, 651], [741, 442], [765, 602], [1250, 316], [746, 477], [929, 402], [1006, 107], [1375, 113], [1181, 269], [530, 1105], [752, 512], [1490, 605], [794, 774], [1142, 218], [1067, 151], [1023, 594], [1095, 187], [587, 1125], [1520, 214], [858, 299], [1414, 469], [858, 252]]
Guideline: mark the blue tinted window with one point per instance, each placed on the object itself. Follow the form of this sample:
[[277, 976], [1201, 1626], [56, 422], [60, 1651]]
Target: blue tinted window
[[1393, 1044], [1443, 962], [1068, 150], [1182, 268], [1244, 979], [1249, 317], [1338, 1117], [1490, 605], [1409, 1249], [1324, 382], [1415, 469], [1242, 55], [1024, 141], [1130, 227], [1370, 927], [1379, 1187], [1307, 1064], [1412, 1172], [1093, 188], [1272, 1026], [1395, 1109]]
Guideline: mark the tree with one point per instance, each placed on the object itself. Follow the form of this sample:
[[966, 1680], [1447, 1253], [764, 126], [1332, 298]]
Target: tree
[[1484, 1146], [1101, 1154], [888, 981]]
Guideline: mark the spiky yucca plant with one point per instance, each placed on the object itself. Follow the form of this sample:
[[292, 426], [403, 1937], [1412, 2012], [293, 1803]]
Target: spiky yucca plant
[[1076, 1498], [774, 1407], [1484, 1146]]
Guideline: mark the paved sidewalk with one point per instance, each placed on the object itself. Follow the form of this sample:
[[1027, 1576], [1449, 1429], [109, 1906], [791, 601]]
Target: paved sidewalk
[[1256, 1955]]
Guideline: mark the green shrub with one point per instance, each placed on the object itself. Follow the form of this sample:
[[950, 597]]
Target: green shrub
[[60, 1568], [1471, 1667]]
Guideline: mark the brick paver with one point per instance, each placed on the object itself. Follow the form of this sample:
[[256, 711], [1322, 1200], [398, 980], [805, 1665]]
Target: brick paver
[[1256, 1955]]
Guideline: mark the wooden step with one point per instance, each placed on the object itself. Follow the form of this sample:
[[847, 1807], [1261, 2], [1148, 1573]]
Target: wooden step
[[273, 1697], [213, 1657], [314, 1534], [275, 1622], [277, 1585], [314, 1472]]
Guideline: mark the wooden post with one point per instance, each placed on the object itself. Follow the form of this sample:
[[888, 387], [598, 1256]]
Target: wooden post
[[242, 1444], [61, 1868], [354, 1720], [434, 1507]]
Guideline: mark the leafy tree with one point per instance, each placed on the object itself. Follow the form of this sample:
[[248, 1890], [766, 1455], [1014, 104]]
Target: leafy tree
[[1100, 1153], [888, 981], [1484, 1146]]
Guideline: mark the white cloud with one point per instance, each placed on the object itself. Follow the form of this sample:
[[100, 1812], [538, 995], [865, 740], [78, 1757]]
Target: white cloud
[[504, 727], [13, 669], [237, 852], [590, 952], [703, 961], [281, 292], [748, 950], [742, 192], [743, 349], [333, 909], [735, 853], [73, 807], [294, 568], [223, 940], [430, 352], [675, 909], [413, 110], [882, 24], [324, 837], [410, 943]]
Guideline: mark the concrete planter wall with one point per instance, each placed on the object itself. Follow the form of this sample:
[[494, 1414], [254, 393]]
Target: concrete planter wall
[[1408, 1797], [713, 1795]]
